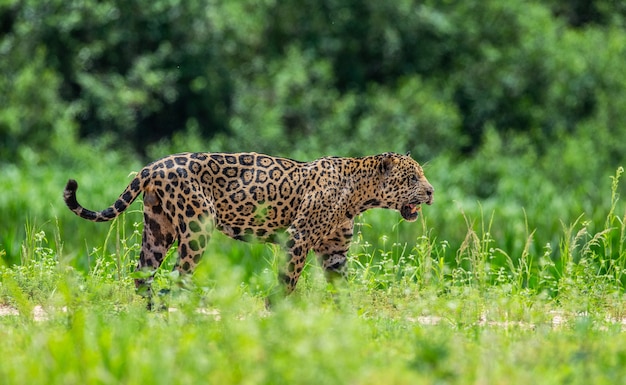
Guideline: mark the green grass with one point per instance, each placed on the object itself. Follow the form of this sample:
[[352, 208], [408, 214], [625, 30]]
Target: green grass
[[304, 343], [97, 332]]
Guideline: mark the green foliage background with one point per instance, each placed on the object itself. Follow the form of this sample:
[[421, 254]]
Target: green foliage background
[[516, 108]]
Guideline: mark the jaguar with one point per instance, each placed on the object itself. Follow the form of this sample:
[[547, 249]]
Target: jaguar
[[255, 196]]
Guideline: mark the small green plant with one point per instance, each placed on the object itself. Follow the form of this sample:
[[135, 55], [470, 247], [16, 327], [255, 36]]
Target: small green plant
[[38, 273]]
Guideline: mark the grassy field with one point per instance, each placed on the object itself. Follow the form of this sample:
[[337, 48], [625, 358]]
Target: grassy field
[[403, 317], [470, 294], [362, 338]]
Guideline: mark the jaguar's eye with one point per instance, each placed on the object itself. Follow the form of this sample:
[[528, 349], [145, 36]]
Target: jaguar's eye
[[413, 178]]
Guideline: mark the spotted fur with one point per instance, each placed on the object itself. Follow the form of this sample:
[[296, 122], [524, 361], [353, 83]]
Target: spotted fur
[[254, 195]]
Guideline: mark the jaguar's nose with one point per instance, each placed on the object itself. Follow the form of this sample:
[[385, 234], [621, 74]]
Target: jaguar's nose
[[430, 191]]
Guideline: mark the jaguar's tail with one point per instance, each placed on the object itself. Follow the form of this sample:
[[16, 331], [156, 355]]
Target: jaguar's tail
[[128, 196]]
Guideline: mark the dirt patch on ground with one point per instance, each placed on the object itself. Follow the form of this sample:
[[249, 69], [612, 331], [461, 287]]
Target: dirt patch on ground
[[558, 319], [39, 314]]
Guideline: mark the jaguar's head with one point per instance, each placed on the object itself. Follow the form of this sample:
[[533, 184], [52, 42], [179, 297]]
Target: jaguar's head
[[405, 187]]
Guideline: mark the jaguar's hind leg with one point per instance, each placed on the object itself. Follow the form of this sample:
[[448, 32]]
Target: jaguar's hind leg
[[158, 236], [194, 227], [193, 242]]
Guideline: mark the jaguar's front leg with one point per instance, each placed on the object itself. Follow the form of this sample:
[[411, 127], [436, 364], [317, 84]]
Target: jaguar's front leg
[[158, 236], [297, 251], [333, 250]]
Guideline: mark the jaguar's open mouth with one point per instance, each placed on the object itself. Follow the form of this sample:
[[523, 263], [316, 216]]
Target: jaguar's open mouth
[[411, 211]]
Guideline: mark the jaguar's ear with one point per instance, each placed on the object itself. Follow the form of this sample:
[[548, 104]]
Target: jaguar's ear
[[387, 163], [408, 153]]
